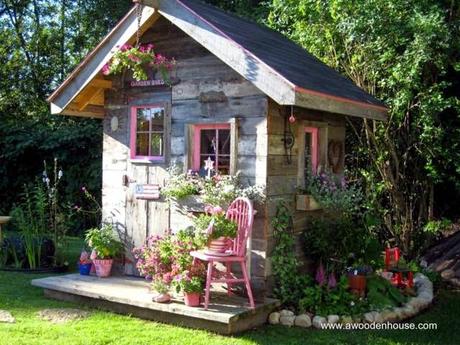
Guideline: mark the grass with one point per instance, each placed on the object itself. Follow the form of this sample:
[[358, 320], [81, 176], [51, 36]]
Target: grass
[[24, 301]]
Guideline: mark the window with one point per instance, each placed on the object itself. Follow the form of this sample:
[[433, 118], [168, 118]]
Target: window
[[212, 142], [148, 132], [311, 151]]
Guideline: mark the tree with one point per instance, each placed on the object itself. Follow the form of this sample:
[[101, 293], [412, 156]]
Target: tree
[[406, 52]]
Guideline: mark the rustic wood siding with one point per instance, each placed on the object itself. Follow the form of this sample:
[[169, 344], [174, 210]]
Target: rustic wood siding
[[208, 92], [283, 177]]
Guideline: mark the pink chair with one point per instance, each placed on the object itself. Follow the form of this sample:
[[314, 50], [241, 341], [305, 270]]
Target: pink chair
[[241, 212]]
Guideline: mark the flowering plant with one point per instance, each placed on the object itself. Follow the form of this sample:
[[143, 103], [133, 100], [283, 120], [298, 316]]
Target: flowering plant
[[189, 282], [333, 193], [164, 257], [135, 58], [215, 225], [217, 190], [160, 286]]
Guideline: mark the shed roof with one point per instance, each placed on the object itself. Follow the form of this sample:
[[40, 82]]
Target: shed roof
[[277, 66]]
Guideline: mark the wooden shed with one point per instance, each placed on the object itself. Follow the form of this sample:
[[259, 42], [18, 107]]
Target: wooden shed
[[233, 78]]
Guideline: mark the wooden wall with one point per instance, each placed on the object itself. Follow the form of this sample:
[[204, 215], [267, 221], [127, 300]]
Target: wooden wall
[[208, 92], [283, 177]]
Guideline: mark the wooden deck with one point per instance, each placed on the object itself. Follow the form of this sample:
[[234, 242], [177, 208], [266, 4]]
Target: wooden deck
[[128, 295]]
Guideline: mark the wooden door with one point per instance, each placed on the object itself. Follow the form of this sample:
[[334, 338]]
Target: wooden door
[[147, 217]]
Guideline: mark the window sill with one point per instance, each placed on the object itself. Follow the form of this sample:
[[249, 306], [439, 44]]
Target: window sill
[[147, 161]]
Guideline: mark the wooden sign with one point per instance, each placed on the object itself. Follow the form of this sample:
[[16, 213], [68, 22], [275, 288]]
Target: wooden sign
[[147, 192], [153, 82]]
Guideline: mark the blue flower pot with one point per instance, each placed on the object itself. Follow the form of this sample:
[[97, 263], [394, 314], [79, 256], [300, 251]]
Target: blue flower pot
[[85, 269]]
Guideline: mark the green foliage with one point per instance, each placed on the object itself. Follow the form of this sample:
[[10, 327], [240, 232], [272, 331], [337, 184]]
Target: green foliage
[[381, 294], [321, 300], [221, 226], [405, 53], [103, 242], [42, 42], [189, 284], [289, 284], [179, 186], [160, 286]]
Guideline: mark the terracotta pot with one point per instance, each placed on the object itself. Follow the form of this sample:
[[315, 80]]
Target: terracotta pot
[[103, 267], [192, 299], [357, 284], [219, 245], [162, 298]]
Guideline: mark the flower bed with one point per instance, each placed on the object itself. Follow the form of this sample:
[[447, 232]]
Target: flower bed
[[424, 297]]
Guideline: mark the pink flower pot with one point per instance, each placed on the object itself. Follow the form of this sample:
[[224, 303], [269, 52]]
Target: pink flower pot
[[103, 267], [192, 299], [219, 245], [162, 298]]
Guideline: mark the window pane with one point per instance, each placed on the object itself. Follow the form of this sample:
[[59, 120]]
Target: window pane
[[156, 145], [157, 117], [208, 141], [224, 164], [142, 144], [143, 117], [224, 141]]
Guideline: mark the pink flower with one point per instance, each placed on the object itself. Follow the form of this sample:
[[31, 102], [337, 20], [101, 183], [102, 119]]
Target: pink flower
[[125, 47], [217, 210], [208, 209], [106, 69], [133, 58]]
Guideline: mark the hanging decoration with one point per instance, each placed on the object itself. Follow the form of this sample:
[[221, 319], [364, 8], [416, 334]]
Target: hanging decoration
[[288, 138], [136, 58]]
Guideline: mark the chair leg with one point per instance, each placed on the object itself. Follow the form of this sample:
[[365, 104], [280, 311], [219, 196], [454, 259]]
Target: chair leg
[[247, 282], [208, 285], [229, 276]]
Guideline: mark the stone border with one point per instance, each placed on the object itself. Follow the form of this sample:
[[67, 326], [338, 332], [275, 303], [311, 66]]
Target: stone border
[[424, 288]]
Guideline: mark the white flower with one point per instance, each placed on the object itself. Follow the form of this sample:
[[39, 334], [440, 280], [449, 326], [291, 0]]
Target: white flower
[[60, 173]]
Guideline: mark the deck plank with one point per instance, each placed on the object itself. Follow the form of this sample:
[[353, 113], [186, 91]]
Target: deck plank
[[225, 314]]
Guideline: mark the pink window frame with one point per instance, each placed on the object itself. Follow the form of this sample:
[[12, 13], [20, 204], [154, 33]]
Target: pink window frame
[[132, 142], [314, 148], [197, 141]]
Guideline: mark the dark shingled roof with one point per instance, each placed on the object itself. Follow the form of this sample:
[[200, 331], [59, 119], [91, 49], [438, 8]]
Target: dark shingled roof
[[284, 56]]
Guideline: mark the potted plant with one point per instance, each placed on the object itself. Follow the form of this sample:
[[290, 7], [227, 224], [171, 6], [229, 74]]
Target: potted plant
[[219, 230], [192, 288], [84, 264], [162, 290], [105, 248], [357, 279]]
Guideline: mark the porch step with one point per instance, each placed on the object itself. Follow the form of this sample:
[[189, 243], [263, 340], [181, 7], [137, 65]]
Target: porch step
[[129, 295]]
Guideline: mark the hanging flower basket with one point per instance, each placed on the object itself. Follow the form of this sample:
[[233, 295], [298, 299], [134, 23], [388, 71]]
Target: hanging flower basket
[[136, 60]]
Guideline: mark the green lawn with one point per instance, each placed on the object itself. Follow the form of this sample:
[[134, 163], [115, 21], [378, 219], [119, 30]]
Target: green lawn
[[24, 301]]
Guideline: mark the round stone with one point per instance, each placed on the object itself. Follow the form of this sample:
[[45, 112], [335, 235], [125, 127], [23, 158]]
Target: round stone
[[303, 320], [274, 318]]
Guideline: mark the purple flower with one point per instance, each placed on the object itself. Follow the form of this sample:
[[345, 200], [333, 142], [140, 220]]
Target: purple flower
[[320, 275], [332, 281]]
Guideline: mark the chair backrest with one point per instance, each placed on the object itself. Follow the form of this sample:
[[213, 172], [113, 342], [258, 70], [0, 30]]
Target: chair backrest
[[241, 212]]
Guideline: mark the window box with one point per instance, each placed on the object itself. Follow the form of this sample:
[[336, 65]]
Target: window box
[[191, 203], [305, 202]]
